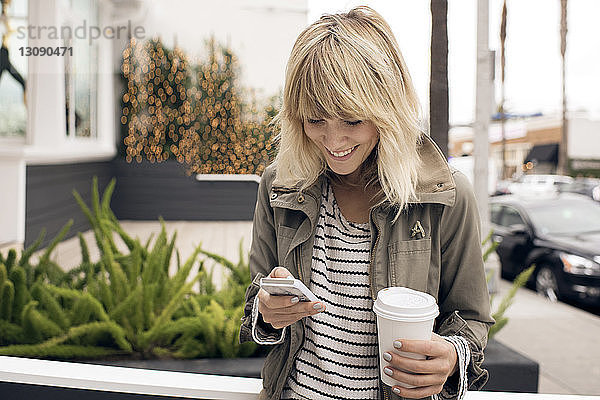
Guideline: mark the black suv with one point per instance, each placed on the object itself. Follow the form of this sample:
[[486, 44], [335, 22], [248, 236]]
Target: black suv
[[560, 233]]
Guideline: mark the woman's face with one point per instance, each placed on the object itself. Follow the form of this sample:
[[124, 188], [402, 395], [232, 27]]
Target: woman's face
[[345, 143]]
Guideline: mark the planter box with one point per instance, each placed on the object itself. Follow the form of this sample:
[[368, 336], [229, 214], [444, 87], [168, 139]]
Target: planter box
[[49, 201], [148, 190], [26, 378], [143, 192], [48, 392], [243, 367], [509, 370]]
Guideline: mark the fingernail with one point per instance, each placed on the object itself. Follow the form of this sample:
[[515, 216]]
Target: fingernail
[[397, 344], [387, 357], [388, 371], [295, 300], [318, 306], [396, 390]]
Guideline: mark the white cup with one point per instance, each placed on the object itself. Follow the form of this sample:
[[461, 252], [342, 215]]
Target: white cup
[[402, 313]]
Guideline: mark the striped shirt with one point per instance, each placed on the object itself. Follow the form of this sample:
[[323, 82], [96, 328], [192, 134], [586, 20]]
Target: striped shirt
[[338, 359]]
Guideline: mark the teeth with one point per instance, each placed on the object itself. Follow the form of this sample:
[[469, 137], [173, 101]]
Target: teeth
[[343, 153]]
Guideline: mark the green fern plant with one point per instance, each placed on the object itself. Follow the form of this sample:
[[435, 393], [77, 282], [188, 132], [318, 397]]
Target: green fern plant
[[228, 305], [126, 303], [508, 298], [507, 301]]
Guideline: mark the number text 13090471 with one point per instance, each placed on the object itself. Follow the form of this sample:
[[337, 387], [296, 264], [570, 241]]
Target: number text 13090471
[[45, 51]]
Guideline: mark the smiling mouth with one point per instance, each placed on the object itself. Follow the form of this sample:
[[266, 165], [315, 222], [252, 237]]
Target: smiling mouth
[[342, 153]]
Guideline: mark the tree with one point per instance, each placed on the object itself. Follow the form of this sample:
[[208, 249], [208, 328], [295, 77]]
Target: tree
[[438, 84], [155, 105], [193, 113], [502, 70]]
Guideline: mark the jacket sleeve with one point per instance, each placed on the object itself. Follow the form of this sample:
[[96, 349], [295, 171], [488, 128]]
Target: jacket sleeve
[[263, 258], [463, 297]]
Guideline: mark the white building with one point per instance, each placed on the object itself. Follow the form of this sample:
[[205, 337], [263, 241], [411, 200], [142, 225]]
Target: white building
[[542, 131], [48, 142]]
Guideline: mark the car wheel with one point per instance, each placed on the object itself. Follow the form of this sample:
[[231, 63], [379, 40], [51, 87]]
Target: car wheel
[[546, 284]]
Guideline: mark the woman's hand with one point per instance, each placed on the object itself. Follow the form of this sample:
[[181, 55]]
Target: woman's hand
[[427, 376], [281, 311]]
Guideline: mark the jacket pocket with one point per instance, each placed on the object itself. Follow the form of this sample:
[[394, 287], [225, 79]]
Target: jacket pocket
[[409, 263]]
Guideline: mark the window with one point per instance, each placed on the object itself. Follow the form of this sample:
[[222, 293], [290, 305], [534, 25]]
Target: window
[[495, 213], [511, 217], [13, 70], [81, 73]]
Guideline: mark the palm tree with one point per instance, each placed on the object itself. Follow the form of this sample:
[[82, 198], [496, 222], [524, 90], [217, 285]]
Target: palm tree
[[438, 84], [563, 154], [502, 69]]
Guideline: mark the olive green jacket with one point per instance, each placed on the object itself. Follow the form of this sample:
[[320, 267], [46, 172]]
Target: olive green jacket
[[445, 262]]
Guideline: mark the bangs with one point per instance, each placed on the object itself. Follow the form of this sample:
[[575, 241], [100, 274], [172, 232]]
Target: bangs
[[325, 83]]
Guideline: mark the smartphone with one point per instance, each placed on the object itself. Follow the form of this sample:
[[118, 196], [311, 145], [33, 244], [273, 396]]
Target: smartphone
[[287, 287]]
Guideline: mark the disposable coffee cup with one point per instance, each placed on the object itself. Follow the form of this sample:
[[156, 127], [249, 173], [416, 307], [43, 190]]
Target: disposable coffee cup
[[402, 313]]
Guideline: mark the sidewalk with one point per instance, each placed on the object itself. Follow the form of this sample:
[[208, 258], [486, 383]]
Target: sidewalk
[[564, 340]]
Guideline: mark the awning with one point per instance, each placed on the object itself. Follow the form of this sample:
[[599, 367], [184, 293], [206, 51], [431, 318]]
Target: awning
[[543, 153]]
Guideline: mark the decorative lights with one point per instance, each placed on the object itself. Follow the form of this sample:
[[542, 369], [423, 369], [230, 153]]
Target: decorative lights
[[192, 113]]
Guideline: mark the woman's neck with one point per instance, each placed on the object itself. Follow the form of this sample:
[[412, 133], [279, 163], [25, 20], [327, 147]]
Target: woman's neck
[[351, 180], [354, 200]]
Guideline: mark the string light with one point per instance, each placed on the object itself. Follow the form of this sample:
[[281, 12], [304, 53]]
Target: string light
[[192, 113]]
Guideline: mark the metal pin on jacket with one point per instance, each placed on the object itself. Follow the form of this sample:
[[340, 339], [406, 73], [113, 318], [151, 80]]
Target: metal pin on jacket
[[418, 228]]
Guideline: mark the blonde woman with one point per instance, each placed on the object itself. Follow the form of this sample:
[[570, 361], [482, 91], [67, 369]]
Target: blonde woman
[[359, 199]]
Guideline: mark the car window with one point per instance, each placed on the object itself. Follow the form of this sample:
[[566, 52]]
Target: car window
[[495, 212], [511, 217], [567, 218]]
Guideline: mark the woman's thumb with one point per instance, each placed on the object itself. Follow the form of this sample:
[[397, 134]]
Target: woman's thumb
[[280, 272]]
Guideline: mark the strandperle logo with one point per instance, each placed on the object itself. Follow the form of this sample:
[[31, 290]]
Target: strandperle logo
[[81, 31]]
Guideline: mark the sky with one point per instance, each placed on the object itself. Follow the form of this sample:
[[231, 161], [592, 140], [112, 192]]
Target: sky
[[533, 66]]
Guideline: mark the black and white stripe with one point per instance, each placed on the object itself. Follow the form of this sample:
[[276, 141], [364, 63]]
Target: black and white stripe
[[339, 356], [464, 358]]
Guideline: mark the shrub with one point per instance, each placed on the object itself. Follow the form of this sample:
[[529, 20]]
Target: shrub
[[126, 303], [507, 300], [192, 112]]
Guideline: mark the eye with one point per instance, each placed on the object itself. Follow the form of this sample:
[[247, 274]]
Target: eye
[[313, 121], [353, 123]]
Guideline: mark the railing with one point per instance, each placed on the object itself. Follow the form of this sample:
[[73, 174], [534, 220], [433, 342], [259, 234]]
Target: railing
[[40, 374]]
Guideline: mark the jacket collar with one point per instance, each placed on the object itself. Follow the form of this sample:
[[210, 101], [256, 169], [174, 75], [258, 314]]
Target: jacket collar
[[435, 183]]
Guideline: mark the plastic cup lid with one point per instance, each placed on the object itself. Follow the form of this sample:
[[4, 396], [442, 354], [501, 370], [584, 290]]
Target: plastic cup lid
[[404, 304]]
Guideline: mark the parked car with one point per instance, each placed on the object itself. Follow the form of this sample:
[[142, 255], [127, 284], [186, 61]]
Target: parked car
[[502, 187], [560, 234], [534, 185], [587, 186]]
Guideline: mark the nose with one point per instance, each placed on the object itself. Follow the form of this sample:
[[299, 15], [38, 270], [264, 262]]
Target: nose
[[334, 139]]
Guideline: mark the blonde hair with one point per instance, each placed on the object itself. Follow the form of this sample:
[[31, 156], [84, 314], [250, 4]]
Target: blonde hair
[[349, 66]]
